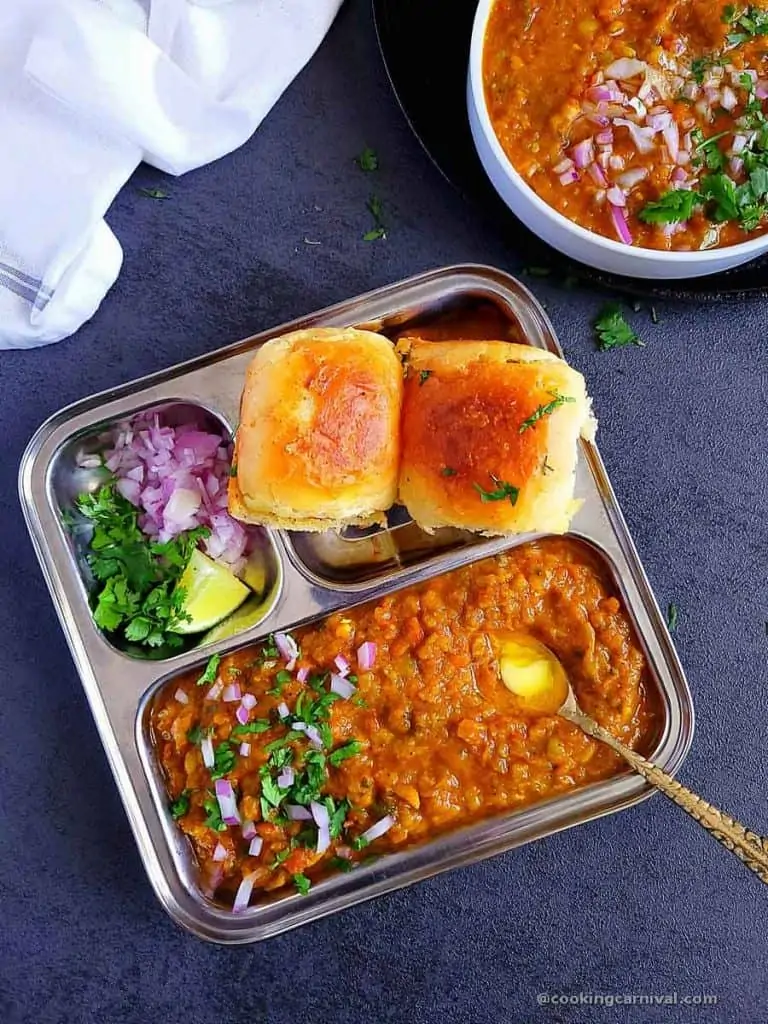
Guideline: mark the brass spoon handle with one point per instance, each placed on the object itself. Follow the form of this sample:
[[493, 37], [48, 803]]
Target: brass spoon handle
[[750, 848]]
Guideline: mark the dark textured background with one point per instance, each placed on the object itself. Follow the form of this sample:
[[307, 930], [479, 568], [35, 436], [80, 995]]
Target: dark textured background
[[641, 902]]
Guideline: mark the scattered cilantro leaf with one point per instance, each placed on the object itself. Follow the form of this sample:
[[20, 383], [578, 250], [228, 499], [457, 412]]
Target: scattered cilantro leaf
[[349, 749], [211, 671], [211, 807], [359, 843], [341, 864], [503, 490], [545, 410], [612, 329], [672, 207], [154, 193], [180, 806], [302, 883], [424, 376], [257, 726], [367, 160], [376, 210], [223, 760], [672, 617], [447, 471]]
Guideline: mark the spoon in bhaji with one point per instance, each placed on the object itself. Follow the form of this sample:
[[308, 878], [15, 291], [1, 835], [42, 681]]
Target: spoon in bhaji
[[535, 676]]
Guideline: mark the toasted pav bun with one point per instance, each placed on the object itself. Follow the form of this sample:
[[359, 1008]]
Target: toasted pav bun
[[318, 443], [489, 436]]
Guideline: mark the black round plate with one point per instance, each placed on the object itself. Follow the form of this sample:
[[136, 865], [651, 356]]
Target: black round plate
[[425, 45]]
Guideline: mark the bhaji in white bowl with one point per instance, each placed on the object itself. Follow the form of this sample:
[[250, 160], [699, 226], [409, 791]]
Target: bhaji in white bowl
[[632, 136]]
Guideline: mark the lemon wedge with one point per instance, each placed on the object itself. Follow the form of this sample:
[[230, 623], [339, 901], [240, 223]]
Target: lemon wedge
[[531, 672], [244, 617], [211, 593]]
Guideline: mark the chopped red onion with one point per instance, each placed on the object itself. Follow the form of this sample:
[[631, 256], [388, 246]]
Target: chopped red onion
[[215, 691], [342, 665], [231, 693], [736, 166], [302, 674], [242, 714], [287, 646], [366, 655], [248, 830], [596, 174], [225, 796], [322, 820], [181, 696], [245, 749], [632, 177], [283, 710], [249, 701], [298, 813], [728, 98], [568, 177], [672, 139], [616, 162], [619, 219], [761, 90], [206, 749], [342, 686], [615, 196], [243, 895], [285, 778], [604, 138], [311, 733], [565, 165], [642, 137], [255, 848], [88, 460], [638, 106], [377, 830], [679, 174], [582, 153], [625, 68], [659, 121], [219, 853], [739, 143], [344, 851]]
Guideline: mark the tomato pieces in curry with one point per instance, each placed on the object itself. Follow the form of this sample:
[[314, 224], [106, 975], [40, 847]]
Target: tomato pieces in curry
[[641, 120], [387, 724]]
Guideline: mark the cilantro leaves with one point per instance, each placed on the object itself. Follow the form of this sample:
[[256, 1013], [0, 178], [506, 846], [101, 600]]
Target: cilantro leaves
[[503, 490], [673, 206], [138, 594], [545, 410], [612, 329]]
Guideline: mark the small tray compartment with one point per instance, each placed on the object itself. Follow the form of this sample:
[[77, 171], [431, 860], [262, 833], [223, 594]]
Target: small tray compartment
[[78, 468]]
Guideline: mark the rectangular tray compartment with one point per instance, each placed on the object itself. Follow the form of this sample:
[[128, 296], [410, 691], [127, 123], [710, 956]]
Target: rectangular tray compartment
[[118, 688]]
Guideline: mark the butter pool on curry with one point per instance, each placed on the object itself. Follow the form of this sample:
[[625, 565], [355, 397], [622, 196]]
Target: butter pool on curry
[[641, 120]]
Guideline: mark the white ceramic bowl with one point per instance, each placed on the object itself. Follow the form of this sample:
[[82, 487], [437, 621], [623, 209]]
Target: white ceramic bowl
[[561, 233]]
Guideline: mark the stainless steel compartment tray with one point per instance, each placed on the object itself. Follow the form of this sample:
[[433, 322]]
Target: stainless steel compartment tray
[[118, 686]]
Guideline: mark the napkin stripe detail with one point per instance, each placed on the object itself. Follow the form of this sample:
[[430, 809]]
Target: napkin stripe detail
[[24, 286]]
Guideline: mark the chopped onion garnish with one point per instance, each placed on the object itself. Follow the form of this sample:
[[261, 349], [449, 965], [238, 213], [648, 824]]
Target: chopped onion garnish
[[322, 820], [565, 165], [298, 813], [215, 691], [583, 153], [311, 733], [632, 177], [206, 749], [249, 830], [377, 830], [342, 665], [672, 140], [285, 778], [595, 172], [568, 177], [728, 98], [619, 219], [225, 796], [243, 895], [245, 749], [181, 696], [642, 137], [249, 701], [366, 655], [255, 848], [615, 196], [231, 693], [287, 646], [220, 853], [625, 68], [302, 674], [242, 714], [342, 686], [283, 710]]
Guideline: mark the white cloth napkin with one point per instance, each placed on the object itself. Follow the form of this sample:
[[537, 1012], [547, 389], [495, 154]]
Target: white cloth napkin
[[88, 89]]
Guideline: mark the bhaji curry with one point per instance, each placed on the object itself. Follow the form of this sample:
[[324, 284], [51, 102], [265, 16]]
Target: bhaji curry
[[387, 724], [641, 120]]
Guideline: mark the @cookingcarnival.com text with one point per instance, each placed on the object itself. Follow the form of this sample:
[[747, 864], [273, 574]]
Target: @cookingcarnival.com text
[[626, 999]]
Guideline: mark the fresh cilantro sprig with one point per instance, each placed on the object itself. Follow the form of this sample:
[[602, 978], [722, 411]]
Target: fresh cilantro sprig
[[612, 330], [180, 806], [138, 595], [376, 210], [672, 207]]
